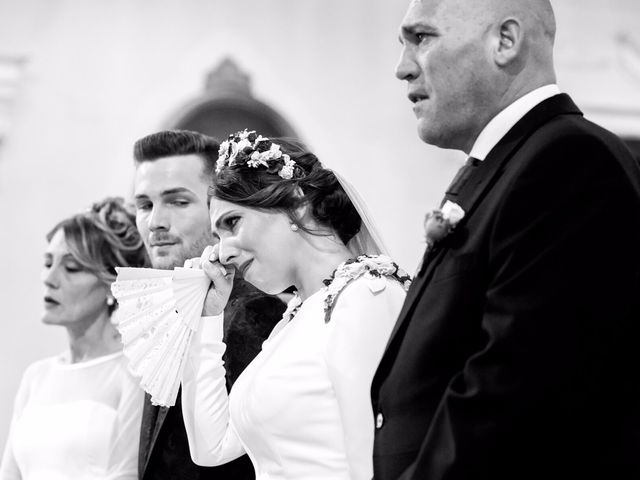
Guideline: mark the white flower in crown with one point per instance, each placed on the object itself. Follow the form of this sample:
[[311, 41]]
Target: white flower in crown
[[262, 158], [250, 149], [223, 153], [441, 222], [287, 169], [242, 144], [230, 148], [259, 158], [274, 151]]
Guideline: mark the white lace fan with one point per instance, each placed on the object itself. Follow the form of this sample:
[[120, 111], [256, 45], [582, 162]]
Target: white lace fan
[[158, 313]]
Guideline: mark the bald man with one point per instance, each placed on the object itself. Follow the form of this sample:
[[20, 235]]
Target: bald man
[[514, 355]]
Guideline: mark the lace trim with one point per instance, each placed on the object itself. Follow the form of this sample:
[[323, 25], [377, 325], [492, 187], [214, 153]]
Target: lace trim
[[292, 307], [376, 267]]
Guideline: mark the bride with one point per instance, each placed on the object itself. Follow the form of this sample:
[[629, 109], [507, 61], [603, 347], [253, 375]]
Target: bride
[[301, 409]]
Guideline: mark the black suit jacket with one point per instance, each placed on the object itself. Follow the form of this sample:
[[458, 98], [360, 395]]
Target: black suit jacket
[[249, 317], [514, 354]]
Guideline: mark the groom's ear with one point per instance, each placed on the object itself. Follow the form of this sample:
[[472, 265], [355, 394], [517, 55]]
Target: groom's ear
[[509, 42]]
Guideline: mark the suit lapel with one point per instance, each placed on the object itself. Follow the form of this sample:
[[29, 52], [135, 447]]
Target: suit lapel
[[479, 184], [152, 419], [430, 260], [490, 169]]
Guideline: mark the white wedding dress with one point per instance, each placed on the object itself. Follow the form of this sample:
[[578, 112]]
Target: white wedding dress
[[301, 409], [75, 421]]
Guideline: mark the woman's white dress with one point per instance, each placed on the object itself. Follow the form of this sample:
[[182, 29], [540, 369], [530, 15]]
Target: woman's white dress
[[301, 409], [75, 421]]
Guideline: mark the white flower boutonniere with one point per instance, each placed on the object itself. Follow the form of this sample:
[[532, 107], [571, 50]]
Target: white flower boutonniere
[[441, 222]]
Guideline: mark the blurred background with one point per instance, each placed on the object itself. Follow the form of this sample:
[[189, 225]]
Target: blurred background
[[81, 80]]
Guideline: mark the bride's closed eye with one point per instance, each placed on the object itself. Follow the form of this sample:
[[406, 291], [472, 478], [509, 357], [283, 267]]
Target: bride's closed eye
[[230, 222]]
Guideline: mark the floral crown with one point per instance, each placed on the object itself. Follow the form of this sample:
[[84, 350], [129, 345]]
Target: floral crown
[[253, 150]]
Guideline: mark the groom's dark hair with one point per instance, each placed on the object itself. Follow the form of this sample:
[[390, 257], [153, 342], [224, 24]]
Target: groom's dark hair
[[170, 143]]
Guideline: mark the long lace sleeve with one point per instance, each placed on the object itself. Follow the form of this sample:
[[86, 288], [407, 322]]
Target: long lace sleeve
[[360, 324], [123, 460], [205, 406]]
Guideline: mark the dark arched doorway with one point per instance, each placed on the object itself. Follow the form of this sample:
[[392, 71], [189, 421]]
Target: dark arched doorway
[[227, 106]]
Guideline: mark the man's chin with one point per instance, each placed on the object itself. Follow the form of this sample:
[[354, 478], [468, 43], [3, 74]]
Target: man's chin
[[166, 262], [425, 132], [433, 136]]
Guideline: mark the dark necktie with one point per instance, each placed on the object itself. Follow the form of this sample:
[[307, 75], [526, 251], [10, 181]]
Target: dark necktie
[[462, 176]]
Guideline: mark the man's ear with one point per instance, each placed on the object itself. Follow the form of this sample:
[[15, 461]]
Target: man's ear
[[510, 42]]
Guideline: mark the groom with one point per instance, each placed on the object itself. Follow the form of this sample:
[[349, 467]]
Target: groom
[[514, 356]]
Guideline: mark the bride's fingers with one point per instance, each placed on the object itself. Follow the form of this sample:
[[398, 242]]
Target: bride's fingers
[[218, 273], [197, 262], [206, 253], [215, 253], [214, 257], [209, 261], [192, 263]]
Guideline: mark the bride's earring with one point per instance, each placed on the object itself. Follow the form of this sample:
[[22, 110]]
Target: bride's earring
[[111, 301], [294, 227]]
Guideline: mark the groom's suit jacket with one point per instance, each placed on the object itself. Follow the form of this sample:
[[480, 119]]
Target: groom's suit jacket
[[249, 317], [515, 354]]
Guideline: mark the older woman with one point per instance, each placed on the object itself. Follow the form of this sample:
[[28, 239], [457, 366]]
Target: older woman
[[77, 415]]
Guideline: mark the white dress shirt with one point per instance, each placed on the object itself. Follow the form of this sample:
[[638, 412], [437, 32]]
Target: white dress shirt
[[499, 125]]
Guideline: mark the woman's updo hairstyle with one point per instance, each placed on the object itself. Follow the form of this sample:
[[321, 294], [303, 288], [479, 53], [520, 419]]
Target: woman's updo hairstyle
[[104, 237], [265, 187]]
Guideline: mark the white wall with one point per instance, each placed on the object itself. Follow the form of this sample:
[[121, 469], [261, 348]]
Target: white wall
[[102, 74]]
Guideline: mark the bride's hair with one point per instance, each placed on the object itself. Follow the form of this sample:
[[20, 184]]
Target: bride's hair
[[312, 185], [104, 237]]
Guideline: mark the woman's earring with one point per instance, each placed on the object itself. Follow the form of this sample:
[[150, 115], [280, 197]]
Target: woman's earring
[[111, 301], [294, 227]]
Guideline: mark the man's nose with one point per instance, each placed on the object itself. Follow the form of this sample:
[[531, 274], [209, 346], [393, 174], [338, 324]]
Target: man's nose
[[407, 68], [159, 219]]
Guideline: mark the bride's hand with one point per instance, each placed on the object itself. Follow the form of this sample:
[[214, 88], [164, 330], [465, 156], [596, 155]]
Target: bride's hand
[[221, 280]]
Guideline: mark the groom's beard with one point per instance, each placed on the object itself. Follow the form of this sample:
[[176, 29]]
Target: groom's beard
[[168, 252]]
